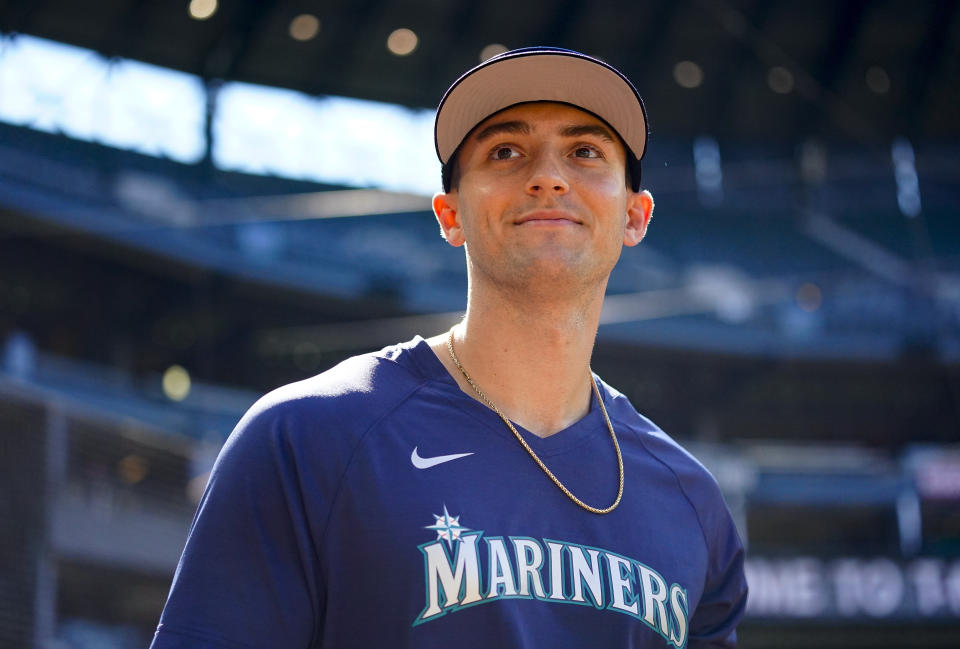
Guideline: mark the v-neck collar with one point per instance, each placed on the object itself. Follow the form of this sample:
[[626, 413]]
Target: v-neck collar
[[579, 432]]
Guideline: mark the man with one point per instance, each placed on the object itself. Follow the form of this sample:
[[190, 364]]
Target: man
[[465, 490]]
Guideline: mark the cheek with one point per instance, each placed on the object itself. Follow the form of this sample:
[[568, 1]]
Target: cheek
[[608, 195], [482, 183], [609, 179], [481, 198], [612, 182], [478, 193]]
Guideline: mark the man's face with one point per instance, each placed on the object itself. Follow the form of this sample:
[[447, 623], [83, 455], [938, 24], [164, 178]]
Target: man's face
[[541, 196]]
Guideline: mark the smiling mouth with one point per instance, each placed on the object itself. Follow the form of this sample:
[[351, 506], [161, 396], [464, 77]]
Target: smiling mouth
[[547, 217]]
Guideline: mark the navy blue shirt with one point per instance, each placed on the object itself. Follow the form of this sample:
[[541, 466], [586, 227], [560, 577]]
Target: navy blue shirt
[[377, 504]]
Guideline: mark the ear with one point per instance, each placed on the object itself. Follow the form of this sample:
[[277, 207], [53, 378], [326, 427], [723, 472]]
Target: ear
[[445, 209], [639, 213]]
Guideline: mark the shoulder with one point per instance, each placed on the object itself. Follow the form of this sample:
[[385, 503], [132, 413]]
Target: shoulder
[[347, 399], [382, 376], [696, 482]]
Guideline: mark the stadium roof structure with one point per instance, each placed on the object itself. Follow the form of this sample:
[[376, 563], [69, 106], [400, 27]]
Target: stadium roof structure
[[745, 69], [829, 117]]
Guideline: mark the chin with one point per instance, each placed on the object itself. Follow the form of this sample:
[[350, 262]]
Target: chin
[[561, 271]]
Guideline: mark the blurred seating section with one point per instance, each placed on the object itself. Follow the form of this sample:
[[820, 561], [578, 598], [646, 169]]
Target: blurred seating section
[[794, 325]]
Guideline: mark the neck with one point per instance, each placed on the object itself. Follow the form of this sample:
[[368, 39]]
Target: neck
[[531, 359]]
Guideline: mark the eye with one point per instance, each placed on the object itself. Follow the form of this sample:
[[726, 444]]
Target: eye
[[586, 151], [504, 152]]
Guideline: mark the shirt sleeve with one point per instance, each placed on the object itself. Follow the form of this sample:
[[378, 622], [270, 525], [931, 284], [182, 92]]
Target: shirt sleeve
[[249, 575], [714, 622]]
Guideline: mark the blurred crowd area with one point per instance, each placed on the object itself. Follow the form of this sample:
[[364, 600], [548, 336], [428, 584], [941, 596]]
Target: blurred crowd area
[[188, 221]]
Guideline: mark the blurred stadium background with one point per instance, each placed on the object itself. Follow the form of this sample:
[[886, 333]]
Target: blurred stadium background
[[201, 201]]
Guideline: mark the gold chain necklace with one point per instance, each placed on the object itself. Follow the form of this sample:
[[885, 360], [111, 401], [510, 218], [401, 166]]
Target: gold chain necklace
[[536, 458]]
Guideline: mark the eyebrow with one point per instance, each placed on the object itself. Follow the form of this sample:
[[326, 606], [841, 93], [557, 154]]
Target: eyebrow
[[523, 128], [503, 127], [588, 129]]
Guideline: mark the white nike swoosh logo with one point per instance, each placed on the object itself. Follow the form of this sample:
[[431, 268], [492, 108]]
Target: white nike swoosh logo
[[427, 462]]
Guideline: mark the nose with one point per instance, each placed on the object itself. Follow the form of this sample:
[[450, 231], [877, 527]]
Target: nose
[[546, 176]]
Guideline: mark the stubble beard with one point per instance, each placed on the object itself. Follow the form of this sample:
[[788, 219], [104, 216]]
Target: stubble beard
[[549, 273]]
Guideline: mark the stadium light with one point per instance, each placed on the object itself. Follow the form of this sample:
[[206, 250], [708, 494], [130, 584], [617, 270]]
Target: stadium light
[[304, 27], [202, 9], [491, 51], [687, 74], [780, 80], [402, 41]]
